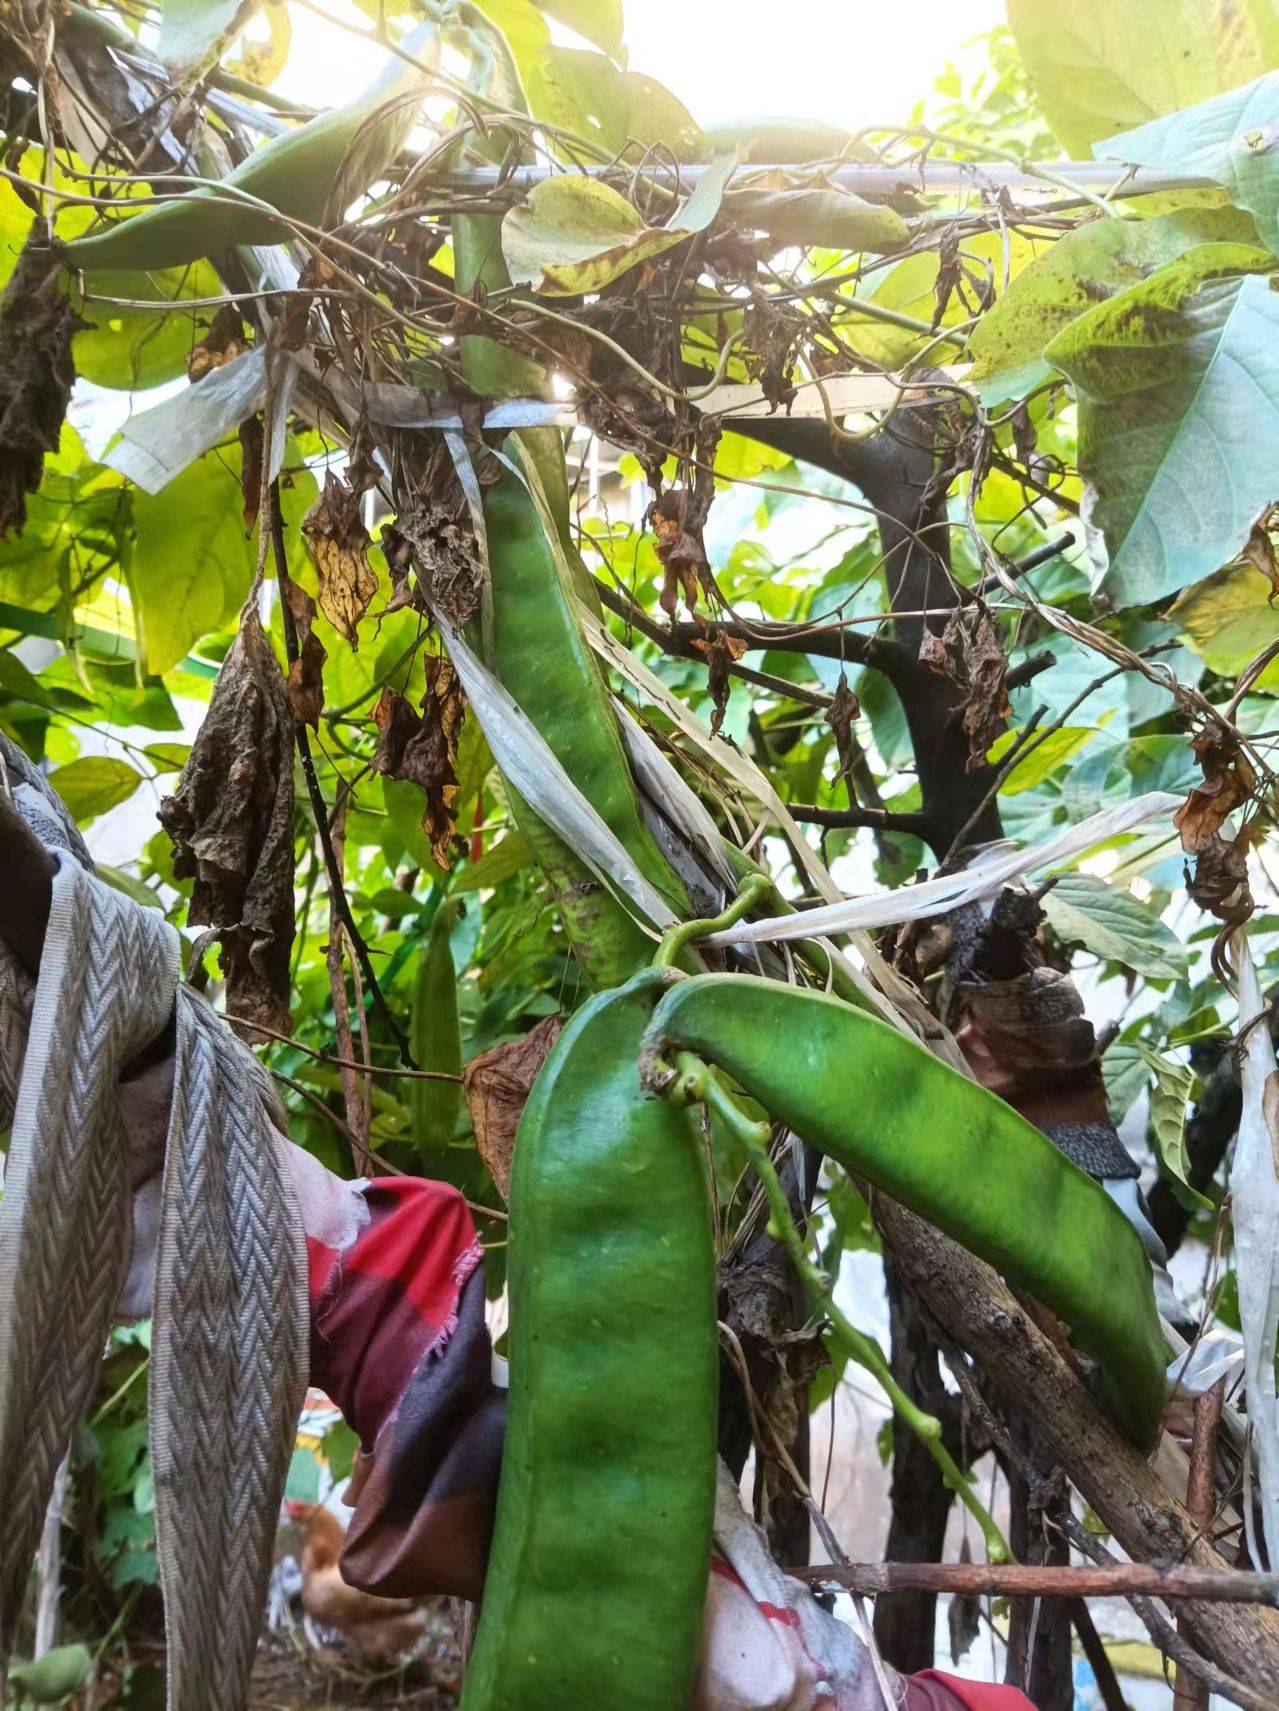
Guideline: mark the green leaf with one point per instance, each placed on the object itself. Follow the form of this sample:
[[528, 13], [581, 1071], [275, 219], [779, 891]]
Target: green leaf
[[130, 885], [55, 1676], [585, 93], [1178, 387], [18, 684], [405, 805], [835, 219], [1169, 1096], [1229, 619], [1084, 267], [1084, 910], [91, 786], [435, 1031], [303, 1482], [340, 1446], [1101, 66], [598, 21], [494, 865], [168, 757], [191, 563], [134, 348], [1042, 761], [1231, 139], [575, 234], [1122, 770], [192, 31], [1126, 1074]]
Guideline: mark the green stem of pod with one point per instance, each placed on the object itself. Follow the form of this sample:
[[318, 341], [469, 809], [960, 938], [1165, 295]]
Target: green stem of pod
[[696, 1082], [678, 938]]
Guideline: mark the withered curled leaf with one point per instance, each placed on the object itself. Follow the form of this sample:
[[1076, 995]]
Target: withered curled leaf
[[339, 544], [306, 673], [1259, 550], [424, 749], [720, 651], [37, 324], [1229, 781], [497, 1085], [231, 822], [434, 537], [970, 654], [844, 708]]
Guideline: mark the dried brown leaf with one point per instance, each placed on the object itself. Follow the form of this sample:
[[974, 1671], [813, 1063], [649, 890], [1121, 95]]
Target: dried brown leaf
[[37, 324], [223, 341], [1260, 552], [844, 708], [306, 672], [1229, 781], [251, 448], [986, 674], [339, 544], [396, 722], [424, 749], [970, 654], [932, 653], [434, 537], [231, 822], [720, 650], [497, 1085]]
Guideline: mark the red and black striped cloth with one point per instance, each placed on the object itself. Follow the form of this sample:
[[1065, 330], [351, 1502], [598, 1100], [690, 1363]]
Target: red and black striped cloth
[[399, 1342]]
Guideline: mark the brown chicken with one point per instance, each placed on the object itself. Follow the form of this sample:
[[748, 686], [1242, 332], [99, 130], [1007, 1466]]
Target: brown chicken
[[380, 1629]]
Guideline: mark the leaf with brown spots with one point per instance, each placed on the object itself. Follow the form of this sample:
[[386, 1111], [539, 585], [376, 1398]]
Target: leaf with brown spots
[[497, 1085], [339, 544], [424, 749], [231, 822]]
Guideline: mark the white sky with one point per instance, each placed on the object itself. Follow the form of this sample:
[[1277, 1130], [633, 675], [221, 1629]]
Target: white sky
[[848, 61]]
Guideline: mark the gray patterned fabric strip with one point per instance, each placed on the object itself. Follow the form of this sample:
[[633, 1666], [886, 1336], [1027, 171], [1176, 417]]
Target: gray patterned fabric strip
[[229, 1339]]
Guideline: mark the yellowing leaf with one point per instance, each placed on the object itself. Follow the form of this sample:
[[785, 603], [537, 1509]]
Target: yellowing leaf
[[1089, 264], [1102, 66], [575, 235], [1178, 390], [1041, 761], [1229, 619]]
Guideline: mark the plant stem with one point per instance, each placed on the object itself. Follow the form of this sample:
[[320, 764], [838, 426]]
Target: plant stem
[[333, 868], [678, 938], [696, 1081]]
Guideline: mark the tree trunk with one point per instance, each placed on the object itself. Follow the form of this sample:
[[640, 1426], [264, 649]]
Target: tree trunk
[[905, 1622]]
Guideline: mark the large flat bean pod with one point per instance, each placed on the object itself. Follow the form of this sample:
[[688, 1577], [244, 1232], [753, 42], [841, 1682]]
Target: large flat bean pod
[[539, 652], [598, 1574], [889, 1111], [295, 174], [543, 659]]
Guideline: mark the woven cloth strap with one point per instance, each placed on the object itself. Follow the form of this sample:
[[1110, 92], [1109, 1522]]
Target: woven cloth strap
[[229, 1338]]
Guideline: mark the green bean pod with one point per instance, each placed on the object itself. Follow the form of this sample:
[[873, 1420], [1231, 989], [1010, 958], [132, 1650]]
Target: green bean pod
[[308, 174], [434, 1106], [597, 1578], [887, 1110], [538, 650]]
